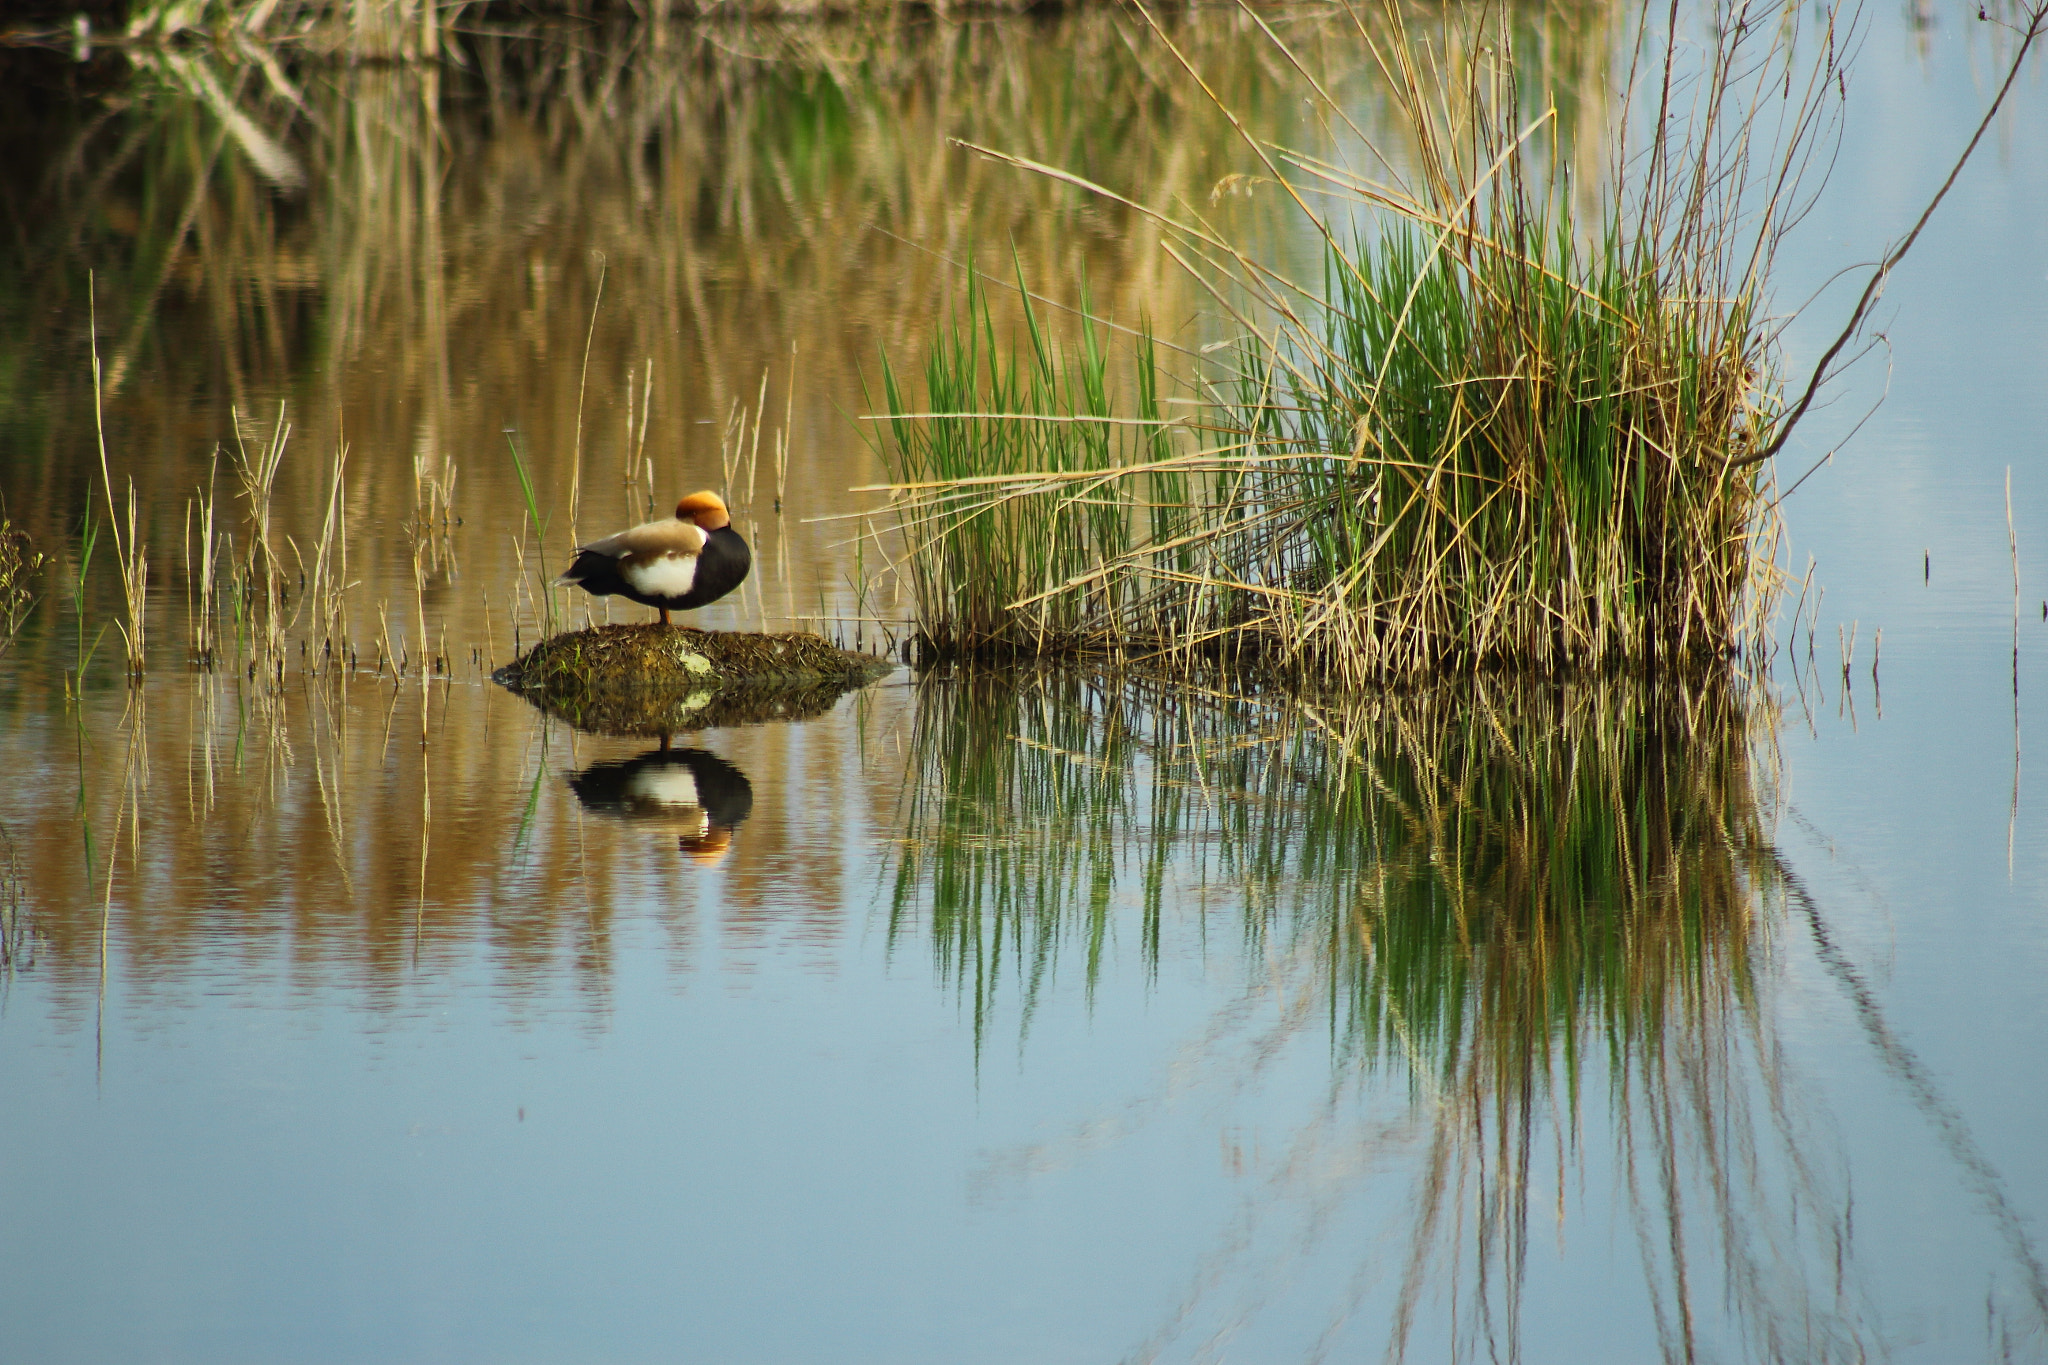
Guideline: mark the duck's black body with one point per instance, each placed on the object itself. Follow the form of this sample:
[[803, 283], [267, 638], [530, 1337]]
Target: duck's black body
[[722, 565], [688, 561]]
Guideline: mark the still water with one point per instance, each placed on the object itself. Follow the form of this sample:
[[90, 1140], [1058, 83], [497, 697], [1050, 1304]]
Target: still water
[[1034, 1017]]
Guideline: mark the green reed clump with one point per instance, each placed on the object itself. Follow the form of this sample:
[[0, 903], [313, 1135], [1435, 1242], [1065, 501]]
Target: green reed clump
[[1518, 426], [1505, 449], [1020, 471]]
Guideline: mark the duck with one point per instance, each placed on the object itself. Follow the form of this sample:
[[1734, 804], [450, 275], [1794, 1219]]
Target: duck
[[681, 562]]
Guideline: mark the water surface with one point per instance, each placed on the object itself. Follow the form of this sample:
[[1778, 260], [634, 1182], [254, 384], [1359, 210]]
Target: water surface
[[1024, 1017]]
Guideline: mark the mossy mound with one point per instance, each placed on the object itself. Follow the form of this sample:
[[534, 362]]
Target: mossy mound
[[655, 655], [654, 712], [660, 680]]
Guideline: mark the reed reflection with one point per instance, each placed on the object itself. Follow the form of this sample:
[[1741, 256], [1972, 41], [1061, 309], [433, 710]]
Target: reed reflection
[[693, 794], [392, 843], [1536, 922]]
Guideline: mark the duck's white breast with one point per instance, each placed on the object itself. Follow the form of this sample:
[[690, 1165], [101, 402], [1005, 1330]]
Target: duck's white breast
[[661, 576]]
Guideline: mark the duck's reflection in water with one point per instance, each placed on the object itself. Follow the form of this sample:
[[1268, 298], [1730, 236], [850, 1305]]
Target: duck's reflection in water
[[696, 794]]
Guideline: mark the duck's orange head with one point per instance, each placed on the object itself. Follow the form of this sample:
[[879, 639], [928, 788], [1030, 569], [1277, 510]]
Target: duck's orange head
[[707, 509]]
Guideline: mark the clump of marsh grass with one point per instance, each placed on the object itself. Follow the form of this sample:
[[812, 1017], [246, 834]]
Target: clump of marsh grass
[[202, 583], [327, 594], [253, 586], [433, 493], [261, 579], [1506, 430], [1022, 479], [20, 561]]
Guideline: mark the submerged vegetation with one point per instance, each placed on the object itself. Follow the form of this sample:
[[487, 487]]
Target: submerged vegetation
[[1516, 425]]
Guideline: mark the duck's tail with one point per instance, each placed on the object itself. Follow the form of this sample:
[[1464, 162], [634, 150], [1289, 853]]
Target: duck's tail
[[592, 572]]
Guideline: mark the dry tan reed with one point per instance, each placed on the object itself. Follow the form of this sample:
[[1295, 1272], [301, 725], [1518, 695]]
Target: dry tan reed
[[260, 574], [202, 580], [358, 29], [131, 554], [327, 593]]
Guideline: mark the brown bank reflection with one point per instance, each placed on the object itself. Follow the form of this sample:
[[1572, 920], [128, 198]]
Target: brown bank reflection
[[1532, 925], [692, 794], [387, 845]]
